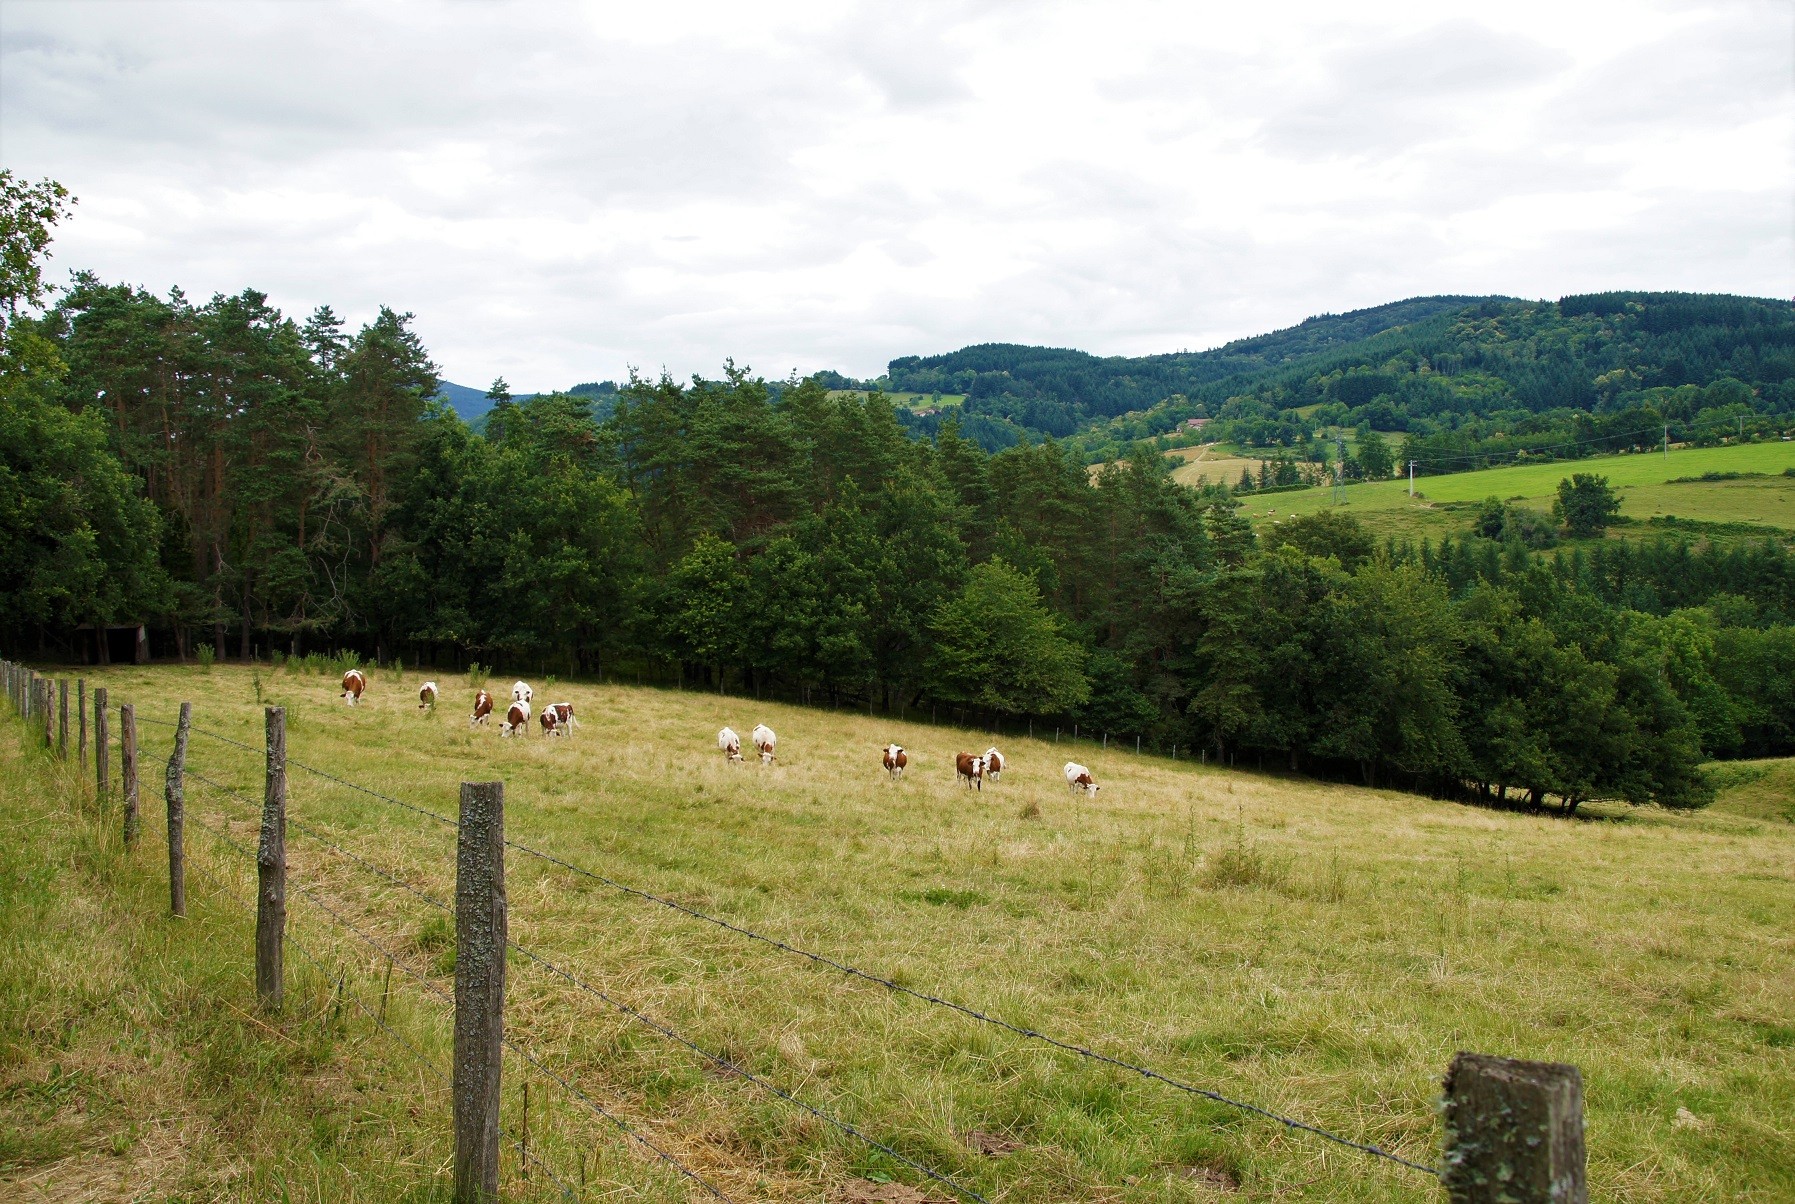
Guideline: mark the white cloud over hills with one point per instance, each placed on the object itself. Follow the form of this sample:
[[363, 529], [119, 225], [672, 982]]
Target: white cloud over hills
[[559, 190]]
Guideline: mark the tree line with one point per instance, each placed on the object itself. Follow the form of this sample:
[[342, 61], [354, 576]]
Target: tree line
[[267, 486]]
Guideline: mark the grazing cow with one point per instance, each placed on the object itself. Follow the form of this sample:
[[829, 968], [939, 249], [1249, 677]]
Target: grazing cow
[[993, 763], [482, 709], [551, 723], [517, 720], [895, 760], [730, 743], [764, 740], [521, 691], [971, 768], [427, 696], [563, 712], [353, 684], [1079, 778]]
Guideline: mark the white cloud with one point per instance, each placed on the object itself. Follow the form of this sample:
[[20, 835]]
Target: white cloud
[[561, 190]]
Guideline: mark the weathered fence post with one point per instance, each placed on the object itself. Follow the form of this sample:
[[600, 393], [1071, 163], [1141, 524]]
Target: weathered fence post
[[102, 753], [479, 989], [127, 768], [81, 720], [47, 701], [62, 719], [271, 865], [174, 788], [1514, 1132]]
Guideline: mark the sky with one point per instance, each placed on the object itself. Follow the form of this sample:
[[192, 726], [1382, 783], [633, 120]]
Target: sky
[[562, 192]]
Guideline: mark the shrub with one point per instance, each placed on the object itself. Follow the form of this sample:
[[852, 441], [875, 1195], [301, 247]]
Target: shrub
[[206, 655], [477, 675]]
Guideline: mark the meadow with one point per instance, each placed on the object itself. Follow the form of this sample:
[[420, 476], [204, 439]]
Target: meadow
[[1644, 482], [1314, 949]]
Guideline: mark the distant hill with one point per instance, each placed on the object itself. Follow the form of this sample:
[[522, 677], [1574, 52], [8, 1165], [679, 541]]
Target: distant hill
[[1402, 366], [473, 406]]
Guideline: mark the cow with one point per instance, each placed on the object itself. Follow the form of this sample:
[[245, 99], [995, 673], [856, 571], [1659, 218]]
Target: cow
[[354, 682], [427, 696], [521, 691], [1079, 778], [563, 712], [764, 739], [971, 768], [482, 709], [551, 723], [895, 760], [993, 763], [517, 720], [730, 743]]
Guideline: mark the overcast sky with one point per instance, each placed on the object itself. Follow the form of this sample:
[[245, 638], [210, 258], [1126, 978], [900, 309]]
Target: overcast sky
[[561, 190]]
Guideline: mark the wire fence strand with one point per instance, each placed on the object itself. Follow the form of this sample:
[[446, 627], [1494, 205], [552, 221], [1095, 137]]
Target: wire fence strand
[[889, 984]]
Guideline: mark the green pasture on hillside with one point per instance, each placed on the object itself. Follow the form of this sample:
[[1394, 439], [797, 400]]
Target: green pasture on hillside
[[1312, 948], [1641, 480]]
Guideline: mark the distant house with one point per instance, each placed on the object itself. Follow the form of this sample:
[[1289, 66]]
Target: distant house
[[1195, 424]]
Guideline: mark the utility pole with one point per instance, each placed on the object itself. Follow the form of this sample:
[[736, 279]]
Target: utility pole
[[1411, 478], [1667, 441], [1339, 469]]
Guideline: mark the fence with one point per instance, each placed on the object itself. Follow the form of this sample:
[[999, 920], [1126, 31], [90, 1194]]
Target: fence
[[1513, 1130]]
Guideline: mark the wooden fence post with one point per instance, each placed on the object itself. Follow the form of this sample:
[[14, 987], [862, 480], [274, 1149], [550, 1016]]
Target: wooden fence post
[[47, 700], [174, 788], [62, 719], [127, 768], [81, 721], [102, 753], [271, 865], [479, 989], [1514, 1132]]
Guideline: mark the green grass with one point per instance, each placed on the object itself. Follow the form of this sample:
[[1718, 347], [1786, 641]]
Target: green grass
[[1764, 503], [1315, 949]]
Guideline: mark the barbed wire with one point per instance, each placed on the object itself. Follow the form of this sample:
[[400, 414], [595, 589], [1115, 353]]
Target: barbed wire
[[422, 1058], [893, 986], [974, 1013], [639, 1016], [748, 1075]]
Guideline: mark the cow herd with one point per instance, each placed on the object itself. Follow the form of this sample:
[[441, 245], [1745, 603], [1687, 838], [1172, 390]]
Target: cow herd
[[557, 719]]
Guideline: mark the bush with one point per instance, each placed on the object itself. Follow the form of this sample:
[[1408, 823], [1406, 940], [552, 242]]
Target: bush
[[206, 655], [477, 675]]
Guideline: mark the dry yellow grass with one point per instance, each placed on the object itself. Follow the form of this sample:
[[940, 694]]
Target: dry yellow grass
[[1315, 949]]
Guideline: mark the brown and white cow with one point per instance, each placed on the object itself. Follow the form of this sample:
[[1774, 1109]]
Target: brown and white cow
[[551, 723], [517, 720], [895, 760], [1079, 778], [353, 684], [521, 691], [482, 709], [764, 739], [563, 712], [427, 696], [993, 763], [970, 767], [730, 743]]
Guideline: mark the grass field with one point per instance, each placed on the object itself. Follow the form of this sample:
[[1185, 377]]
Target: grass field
[[1311, 948], [1218, 466], [1766, 502], [908, 401]]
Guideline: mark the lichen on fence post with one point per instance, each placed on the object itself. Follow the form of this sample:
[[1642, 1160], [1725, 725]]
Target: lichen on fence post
[[1513, 1132], [480, 931], [102, 752], [174, 789], [271, 865], [62, 719], [127, 769]]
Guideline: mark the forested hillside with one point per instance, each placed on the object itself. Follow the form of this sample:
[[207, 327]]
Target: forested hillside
[[270, 487], [1467, 378]]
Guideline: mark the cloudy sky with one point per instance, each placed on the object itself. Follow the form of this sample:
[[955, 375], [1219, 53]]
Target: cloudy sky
[[562, 190]]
